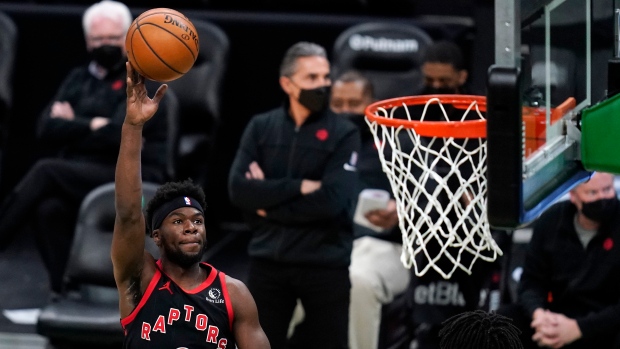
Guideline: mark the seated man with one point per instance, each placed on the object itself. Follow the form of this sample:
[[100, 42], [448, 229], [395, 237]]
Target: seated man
[[80, 131], [376, 272], [569, 292]]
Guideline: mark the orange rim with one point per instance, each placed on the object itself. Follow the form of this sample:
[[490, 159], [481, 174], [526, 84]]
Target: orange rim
[[445, 129]]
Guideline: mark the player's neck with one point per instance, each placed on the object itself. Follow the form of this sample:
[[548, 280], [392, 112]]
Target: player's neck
[[187, 278]]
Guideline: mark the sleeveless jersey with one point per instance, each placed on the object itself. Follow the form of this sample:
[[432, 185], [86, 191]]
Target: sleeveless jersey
[[173, 318]]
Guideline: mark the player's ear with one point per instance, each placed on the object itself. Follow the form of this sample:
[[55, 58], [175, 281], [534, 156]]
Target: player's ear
[[156, 237], [285, 84], [462, 77]]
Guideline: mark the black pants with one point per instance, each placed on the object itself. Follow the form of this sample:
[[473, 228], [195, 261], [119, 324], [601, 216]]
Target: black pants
[[324, 294], [47, 201]]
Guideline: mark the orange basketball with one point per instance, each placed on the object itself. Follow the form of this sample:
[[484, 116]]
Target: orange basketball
[[162, 44]]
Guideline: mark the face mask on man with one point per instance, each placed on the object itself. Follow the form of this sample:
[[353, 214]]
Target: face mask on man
[[108, 56], [599, 210], [358, 119], [314, 99], [430, 90]]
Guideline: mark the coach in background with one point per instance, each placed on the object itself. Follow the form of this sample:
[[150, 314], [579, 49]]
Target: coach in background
[[294, 176], [569, 292], [80, 131]]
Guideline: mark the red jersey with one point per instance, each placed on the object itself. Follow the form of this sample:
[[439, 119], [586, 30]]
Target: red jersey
[[171, 317]]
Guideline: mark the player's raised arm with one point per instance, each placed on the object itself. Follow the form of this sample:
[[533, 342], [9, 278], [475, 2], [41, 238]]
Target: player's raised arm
[[129, 226]]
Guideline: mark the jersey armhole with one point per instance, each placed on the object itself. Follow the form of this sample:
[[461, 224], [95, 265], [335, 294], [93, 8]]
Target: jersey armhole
[[229, 307], [126, 321]]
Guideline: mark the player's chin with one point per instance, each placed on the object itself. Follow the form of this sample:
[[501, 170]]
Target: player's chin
[[192, 248]]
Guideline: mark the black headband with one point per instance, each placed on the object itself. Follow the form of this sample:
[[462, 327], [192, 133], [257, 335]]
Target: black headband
[[162, 212]]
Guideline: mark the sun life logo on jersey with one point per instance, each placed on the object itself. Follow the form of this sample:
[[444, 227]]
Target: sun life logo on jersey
[[214, 295]]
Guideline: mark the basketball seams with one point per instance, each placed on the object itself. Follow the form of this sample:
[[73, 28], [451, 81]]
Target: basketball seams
[[179, 15], [174, 35], [135, 61], [159, 52], [157, 55]]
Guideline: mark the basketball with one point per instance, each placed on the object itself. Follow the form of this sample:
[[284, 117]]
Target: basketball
[[162, 44]]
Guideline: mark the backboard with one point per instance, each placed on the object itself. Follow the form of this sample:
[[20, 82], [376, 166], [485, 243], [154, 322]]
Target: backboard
[[550, 63]]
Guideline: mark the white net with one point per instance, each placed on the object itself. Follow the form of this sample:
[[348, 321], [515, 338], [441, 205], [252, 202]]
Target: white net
[[440, 188]]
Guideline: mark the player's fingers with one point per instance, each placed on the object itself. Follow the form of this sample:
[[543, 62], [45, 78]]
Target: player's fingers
[[257, 172], [129, 79], [159, 94]]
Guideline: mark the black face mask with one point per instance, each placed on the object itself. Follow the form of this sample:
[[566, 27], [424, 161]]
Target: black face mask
[[315, 99], [429, 90], [108, 56], [599, 210], [358, 119]]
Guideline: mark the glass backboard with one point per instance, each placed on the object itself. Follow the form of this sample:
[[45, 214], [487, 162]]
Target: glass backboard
[[550, 63]]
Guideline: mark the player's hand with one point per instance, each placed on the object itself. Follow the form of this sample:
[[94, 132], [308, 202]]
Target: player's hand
[[309, 186], [254, 172], [140, 107], [62, 110], [555, 330], [98, 122], [385, 218]]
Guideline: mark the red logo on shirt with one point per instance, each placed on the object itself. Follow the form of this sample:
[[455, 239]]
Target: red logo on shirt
[[322, 134], [608, 244], [117, 85], [166, 286]]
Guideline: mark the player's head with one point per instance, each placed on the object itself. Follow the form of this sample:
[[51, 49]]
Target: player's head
[[443, 68], [596, 198], [351, 93], [479, 330], [176, 221], [105, 25], [304, 75]]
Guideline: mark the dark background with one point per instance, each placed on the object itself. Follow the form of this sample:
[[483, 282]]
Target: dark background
[[51, 43]]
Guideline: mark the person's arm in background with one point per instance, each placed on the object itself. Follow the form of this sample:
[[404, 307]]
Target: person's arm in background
[[551, 329], [336, 193], [252, 194], [57, 123], [534, 287], [388, 218], [61, 125], [106, 135]]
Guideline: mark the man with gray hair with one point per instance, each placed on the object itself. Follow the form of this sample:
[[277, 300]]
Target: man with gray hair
[[80, 132], [294, 176]]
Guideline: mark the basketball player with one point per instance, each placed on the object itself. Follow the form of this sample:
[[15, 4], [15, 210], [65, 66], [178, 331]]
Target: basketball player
[[176, 301]]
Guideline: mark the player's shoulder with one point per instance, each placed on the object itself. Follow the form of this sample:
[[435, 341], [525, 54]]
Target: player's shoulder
[[237, 289]]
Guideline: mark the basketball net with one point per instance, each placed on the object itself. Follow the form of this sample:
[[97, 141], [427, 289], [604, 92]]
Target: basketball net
[[457, 229]]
